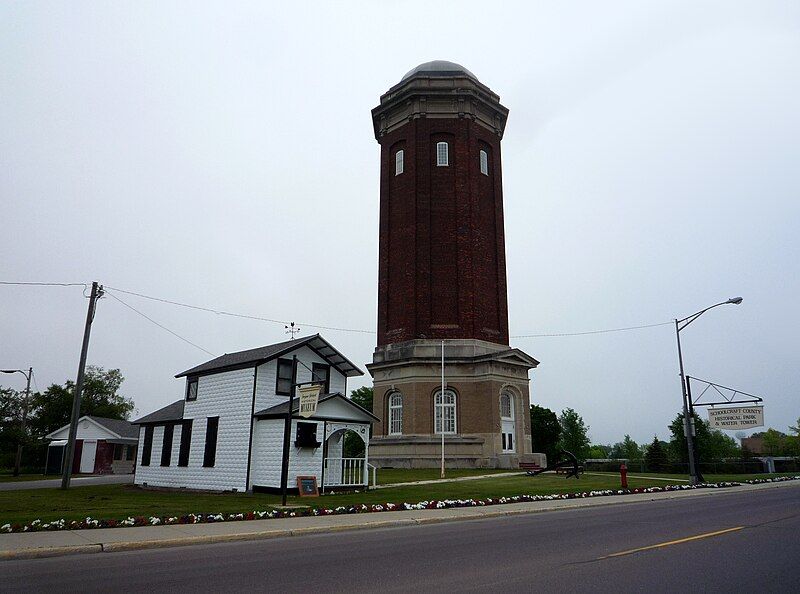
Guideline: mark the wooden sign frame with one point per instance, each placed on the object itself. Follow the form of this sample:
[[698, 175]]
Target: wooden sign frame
[[300, 492]]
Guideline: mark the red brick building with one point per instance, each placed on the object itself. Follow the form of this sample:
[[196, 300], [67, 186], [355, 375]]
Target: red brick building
[[442, 277]]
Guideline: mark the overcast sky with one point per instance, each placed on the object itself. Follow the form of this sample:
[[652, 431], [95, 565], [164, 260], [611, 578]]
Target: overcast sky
[[222, 155]]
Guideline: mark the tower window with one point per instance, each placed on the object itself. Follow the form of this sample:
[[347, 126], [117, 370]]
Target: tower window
[[506, 409], [445, 409], [396, 414], [398, 162], [484, 162], [442, 154]]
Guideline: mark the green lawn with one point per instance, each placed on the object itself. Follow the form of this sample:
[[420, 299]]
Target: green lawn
[[120, 501]]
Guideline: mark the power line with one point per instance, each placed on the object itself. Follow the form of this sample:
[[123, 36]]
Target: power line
[[45, 284], [175, 334], [319, 326], [592, 331], [237, 315]]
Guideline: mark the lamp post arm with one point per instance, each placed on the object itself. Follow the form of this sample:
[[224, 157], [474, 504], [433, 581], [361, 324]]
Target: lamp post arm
[[681, 324]]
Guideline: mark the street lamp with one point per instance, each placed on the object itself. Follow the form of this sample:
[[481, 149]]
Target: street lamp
[[27, 375], [688, 422]]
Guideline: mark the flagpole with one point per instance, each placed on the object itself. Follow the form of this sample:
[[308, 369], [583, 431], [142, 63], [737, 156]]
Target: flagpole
[[441, 410]]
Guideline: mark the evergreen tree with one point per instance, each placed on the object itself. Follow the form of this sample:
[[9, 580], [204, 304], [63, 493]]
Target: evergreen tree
[[656, 456]]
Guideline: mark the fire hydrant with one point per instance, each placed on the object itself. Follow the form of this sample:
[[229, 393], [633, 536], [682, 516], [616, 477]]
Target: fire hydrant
[[623, 475]]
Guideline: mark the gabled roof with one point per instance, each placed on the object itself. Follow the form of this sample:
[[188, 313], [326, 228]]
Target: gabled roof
[[120, 428], [263, 354], [171, 412], [279, 410], [512, 355]]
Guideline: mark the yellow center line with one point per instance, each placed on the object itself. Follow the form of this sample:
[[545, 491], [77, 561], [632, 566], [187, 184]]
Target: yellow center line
[[672, 542]]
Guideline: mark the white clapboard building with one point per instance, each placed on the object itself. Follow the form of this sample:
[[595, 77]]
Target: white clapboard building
[[226, 433]]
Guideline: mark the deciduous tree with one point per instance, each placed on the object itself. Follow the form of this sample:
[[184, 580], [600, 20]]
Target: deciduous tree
[[545, 431], [574, 433], [100, 397]]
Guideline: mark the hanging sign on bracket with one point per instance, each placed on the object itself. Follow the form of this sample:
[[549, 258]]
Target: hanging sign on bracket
[[736, 418]]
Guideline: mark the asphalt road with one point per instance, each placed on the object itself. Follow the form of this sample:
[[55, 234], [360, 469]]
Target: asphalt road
[[76, 481], [576, 550]]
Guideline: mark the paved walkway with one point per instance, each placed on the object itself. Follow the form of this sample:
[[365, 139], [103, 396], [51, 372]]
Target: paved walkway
[[447, 480], [67, 542], [80, 481]]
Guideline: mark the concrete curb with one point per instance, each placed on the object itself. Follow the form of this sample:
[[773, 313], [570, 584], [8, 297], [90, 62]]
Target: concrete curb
[[41, 552], [462, 514]]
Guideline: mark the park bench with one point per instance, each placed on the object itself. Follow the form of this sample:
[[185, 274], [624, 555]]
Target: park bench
[[530, 467], [568, 469]]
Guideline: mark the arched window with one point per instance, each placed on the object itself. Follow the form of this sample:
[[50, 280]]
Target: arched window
[[507, 430], [442, 154], [445, 412], [396, 414], [398, 162], [484, 159], [506, 410]]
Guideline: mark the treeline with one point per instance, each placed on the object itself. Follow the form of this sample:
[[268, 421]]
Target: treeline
[[568, 431], [51, 409]]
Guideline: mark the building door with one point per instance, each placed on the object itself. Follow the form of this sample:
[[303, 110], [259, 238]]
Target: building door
[[88, 454], [507, 423]]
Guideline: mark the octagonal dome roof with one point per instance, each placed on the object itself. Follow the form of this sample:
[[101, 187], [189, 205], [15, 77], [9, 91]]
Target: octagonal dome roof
[[438, 67]]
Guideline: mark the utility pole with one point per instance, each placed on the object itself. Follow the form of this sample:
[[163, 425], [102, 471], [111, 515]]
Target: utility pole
[[97, 292], [18, 459], [287, 434]]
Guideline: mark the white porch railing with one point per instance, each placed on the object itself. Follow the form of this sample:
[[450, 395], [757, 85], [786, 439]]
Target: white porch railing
[[345, 472]]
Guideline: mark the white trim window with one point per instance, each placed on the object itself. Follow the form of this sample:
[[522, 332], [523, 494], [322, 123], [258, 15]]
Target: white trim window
[[484, 159], [399, 162], [396, 414], [442, 154], [507, 422], [445, 412], [505, 406]]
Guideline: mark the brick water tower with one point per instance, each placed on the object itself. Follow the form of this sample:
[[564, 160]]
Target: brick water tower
[[442, 277]]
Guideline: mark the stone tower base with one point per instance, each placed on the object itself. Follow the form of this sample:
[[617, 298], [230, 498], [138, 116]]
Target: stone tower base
[[478, 372]]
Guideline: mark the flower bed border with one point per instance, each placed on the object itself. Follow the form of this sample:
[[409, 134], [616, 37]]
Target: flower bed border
[[89, 523]]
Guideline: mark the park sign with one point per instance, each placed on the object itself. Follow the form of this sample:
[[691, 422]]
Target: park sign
[[736, 418], [309, 397]]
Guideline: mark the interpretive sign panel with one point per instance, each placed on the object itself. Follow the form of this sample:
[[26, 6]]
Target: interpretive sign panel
[[307, 486], [736, 418], [309, 398]]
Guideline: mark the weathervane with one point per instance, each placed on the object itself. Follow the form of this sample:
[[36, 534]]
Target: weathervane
[[291, 329]]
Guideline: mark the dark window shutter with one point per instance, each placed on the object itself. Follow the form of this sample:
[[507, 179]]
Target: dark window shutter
[[166, 445], [186, 442], [147, 447], [210, 455]]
